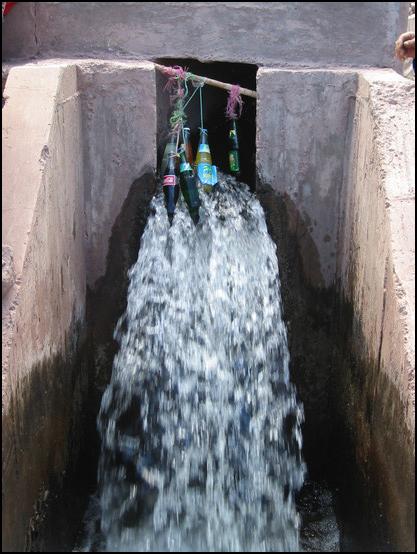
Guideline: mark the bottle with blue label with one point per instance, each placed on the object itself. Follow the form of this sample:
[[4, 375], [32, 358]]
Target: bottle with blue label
[[204, 163]]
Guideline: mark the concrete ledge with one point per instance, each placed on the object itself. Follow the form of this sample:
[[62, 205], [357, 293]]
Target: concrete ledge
[[333, 33]]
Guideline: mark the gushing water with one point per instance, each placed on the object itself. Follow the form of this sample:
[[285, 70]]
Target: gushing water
[[200, 425]]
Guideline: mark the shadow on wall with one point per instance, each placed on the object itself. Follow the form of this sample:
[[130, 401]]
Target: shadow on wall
[[108, 301], [351, 434], [28, 430]]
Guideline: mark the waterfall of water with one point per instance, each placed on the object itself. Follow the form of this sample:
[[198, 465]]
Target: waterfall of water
[[200, 425]]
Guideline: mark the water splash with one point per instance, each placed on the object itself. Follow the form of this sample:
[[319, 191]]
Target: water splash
[[200, 426]]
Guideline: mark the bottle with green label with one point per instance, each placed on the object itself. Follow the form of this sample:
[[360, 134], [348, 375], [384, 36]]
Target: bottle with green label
[[189, 187], [234, 164], [204, 163]]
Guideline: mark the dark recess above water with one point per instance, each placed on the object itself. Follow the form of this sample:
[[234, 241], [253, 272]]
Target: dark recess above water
[[214, 103]]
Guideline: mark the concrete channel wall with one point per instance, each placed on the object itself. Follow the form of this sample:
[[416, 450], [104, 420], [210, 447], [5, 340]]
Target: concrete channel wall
[[64, 180], [338, 157], [301, 152], [335, 155], [376, 273], [377, 226], [335, 158], [44, 309]]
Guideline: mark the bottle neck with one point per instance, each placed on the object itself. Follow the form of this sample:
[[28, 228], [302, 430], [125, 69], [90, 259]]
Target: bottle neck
[[186, 135], [233, 135], [171, 164], [183, 158], [203, 136]]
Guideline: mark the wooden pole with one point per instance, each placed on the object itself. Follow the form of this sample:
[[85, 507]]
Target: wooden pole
[[208, 81]]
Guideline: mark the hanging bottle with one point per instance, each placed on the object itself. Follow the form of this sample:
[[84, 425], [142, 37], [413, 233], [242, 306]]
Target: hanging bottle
[[189, 187], [234, 163], [170, 186], [187, 145], [170, 148], [204, 163]]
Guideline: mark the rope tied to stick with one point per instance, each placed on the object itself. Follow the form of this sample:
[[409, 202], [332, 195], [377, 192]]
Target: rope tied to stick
[[177, 86], [178, 92], [234, 103]]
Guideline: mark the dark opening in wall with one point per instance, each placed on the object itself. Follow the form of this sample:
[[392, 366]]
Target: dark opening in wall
[[214, 103]]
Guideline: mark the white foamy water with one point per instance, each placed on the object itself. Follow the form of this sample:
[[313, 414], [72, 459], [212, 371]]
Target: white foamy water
[[200, 426]]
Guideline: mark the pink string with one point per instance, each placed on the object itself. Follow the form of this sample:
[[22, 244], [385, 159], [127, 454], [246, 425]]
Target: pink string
[[175, 71], [234, 102], [177, 75]]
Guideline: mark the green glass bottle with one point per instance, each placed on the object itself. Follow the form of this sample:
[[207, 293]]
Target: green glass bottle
[[187, 145], [234, 163], [189, 187]]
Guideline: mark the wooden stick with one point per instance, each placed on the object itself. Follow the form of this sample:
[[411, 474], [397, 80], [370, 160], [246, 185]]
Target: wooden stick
[[208, 81]]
